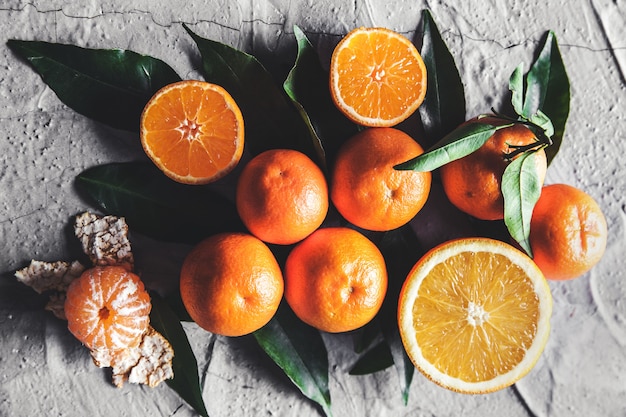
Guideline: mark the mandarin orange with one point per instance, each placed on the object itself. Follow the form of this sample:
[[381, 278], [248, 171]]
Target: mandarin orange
[[107, 307], [377, 77], [335, 279], [193, 131], [282, 196], [367, 190], [231, 284], [473, 183], [568, 232]]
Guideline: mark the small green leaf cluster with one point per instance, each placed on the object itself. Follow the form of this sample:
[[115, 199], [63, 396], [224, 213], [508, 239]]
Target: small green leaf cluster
[[540, 101], [113, 86]]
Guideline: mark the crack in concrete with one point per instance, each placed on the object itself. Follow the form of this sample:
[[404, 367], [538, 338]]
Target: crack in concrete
[[610, 48]]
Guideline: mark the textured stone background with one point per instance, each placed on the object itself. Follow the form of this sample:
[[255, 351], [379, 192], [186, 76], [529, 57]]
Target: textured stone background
[[43, 145]]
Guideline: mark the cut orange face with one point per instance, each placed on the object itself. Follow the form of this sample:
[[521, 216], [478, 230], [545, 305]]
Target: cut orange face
[[474, 315], [377, 77], [193, 131]]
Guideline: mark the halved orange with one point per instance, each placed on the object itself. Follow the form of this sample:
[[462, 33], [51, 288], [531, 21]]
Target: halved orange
[[193, 131], [377, 77], [474, 315]]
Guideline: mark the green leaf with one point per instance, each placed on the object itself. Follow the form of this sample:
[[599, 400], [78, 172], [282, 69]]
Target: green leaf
[[376, 359], [269, 118], [157, 206], [111, 86], [521, 189], [401, 250], [307, 87], [516, 86], [299, 351], [548, 90], [461, 142], [444, 105], [186, 381]]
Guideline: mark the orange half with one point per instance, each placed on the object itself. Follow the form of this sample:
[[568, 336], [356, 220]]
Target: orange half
[[193, 131], [474, 315], [377, 77]]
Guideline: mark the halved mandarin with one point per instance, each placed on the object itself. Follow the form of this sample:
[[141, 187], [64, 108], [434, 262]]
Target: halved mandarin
[[193, 131], [377, 77]]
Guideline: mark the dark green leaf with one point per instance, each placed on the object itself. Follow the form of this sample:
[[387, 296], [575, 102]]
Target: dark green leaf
[[366, 336], [186, 381], [269, 118], [307, 86], [444, 105], [516, 86], [299, 351], [401, 250], [156, 206], [548, 90], [374, 360], [461, 142], [111, 86], [521, 189]]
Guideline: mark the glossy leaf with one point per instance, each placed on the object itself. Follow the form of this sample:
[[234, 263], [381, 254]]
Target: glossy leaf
[[111, 86], [444, 105], [299, 351], [307, 86], [374, 360], [461, 142], [401, 250], [186, 381], [271, 121], [516, 86], [521, 189], [548, 90], [156, 206]]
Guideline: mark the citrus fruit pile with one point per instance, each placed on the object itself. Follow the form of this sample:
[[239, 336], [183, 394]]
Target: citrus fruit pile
[[473, 313]]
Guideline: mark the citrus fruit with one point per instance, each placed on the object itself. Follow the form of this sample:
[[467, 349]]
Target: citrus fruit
[[367, 190], [473, 183], [107, 307], [282, 196], [335, 279], [568, 232], [474, 314], [231, 284], [193, 131], [377, 77]]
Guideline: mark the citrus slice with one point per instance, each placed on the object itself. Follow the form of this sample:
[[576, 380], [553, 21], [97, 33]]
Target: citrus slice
[[377, 77], [193, 131], [474, 315]]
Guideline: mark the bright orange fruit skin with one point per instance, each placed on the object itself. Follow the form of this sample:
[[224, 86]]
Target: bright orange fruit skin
[[367, 190], [335, 280], [282, 196], [568, 232], [231, 284], [473, 183], [107, 307]]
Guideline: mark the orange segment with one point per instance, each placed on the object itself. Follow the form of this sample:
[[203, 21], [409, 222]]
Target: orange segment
[[474, 315], [377, 77], [193, 131]]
